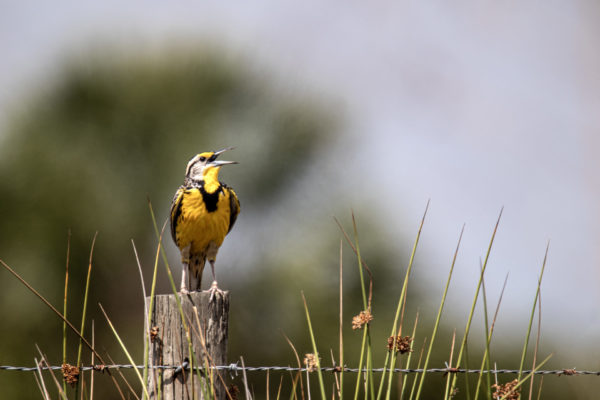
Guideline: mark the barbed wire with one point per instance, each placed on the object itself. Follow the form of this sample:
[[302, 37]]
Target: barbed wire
[[235, 368]]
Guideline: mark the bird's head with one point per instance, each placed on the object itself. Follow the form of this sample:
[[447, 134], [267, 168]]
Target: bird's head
[[206, 165]]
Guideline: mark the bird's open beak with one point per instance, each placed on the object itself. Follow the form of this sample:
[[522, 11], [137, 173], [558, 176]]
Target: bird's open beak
[[218, 153], [218, 163]]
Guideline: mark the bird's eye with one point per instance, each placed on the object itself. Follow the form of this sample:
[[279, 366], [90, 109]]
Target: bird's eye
[[202, 158]]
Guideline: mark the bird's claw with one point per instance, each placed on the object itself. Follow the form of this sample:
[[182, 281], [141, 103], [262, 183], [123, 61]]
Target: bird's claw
[[214, 289]]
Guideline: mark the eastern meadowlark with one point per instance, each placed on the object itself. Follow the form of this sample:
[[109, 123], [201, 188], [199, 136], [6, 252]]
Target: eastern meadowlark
[[202, 213]]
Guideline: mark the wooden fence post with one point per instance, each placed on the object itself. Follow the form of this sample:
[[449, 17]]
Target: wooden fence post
[[170, 345]]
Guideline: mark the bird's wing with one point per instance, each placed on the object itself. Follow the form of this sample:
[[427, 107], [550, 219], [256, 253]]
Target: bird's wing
[[176, 211], [234, 208]]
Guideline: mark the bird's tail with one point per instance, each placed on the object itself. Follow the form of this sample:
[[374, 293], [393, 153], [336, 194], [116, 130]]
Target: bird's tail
[[196, 268]]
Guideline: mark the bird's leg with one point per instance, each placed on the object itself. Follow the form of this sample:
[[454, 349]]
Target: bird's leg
[[184, 278], [212, 269], [214, 289], [185, 273]]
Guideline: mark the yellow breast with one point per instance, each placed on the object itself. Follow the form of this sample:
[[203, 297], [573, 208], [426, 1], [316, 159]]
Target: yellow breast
[[199, 226]]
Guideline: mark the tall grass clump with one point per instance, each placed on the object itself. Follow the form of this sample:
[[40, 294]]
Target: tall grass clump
[[316, 377]]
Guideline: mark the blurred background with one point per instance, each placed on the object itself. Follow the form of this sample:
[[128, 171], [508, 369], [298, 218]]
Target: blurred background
[[332, 107]]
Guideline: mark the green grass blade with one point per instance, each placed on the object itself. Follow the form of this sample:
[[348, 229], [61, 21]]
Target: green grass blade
[[472, 312], [146, 310], [366, 344], [401, 301], [299, 376], [85, 300], [62, 317], [415, 380], [293, 394], [159, 234], [133, 393], [279, 389], [449, 376], [539, 396], [124, 348], [529, 375], [92, 363], [151, 306], [54, 310], [535, 300], [367, 306], [341, 332], [439, 314], [537, 344], [64, 330], [314, 345], [408, 359], [486, 355], [360, 365]]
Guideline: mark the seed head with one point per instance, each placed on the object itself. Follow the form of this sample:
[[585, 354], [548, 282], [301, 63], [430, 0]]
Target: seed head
[[508, 390], [399, 344], [311, 362], [233, 391], [70, 374], [360, 320]]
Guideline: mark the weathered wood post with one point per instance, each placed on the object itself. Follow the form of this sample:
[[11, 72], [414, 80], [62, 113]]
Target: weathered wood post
[[207, 323]]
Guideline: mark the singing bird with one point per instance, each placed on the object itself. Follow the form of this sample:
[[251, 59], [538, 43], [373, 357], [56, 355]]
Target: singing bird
[[202, 213]]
